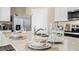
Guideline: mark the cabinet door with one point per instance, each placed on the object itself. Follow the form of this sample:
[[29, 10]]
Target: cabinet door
[[61, 14], [39, 18], [73, 8], [4, 14]]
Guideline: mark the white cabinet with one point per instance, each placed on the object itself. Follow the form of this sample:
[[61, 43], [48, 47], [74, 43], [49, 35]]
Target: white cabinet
[[40, 18], [4, 13], [18, 21], [72, 8], [61, 14], [23, 21], [3, 40]]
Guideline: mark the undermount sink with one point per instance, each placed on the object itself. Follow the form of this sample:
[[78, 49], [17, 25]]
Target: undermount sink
[[42, 35]]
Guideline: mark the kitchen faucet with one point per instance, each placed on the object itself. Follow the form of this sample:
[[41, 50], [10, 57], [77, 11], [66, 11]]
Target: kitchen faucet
[[35, 31]]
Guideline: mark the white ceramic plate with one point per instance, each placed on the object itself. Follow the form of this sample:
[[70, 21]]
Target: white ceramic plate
[[46, 46]]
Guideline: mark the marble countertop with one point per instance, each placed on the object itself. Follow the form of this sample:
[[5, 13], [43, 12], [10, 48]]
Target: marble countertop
[[22, 44], [69, 43]]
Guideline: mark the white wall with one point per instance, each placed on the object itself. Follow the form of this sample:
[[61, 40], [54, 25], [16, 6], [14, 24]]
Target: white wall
[[40, 18], [4, 13]]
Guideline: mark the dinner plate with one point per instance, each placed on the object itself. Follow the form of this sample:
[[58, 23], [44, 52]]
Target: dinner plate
[[45, 46]]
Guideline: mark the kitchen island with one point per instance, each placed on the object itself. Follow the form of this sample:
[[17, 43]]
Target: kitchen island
[[22, 44], [69, 43]]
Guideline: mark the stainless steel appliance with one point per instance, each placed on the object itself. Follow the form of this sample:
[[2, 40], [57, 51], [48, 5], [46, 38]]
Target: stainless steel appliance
[[18, 27], [73, 15], [75, 28]]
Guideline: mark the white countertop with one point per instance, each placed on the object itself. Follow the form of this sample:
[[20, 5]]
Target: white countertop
[[69, 43], [22, 44]]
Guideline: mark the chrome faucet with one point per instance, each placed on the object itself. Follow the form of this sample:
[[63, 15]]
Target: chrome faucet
[[35, 31]]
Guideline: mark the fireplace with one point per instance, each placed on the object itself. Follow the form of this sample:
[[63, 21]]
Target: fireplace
[[18, 27]]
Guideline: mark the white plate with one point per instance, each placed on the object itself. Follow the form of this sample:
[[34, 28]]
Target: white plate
[[46, 46]]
